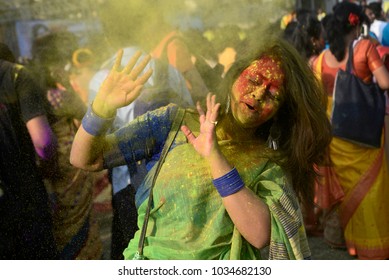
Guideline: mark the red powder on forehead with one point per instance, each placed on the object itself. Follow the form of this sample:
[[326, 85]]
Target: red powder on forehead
[[270, 69], [264, 71]]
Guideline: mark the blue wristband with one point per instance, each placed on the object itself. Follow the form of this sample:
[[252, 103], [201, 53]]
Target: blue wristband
[[94, 124], [229, 183]]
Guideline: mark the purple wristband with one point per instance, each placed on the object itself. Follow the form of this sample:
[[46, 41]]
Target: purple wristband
[[229, 183], [94, 124]]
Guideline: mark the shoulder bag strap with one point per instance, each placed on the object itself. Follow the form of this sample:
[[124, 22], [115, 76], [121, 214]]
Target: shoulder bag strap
[[169, 141]]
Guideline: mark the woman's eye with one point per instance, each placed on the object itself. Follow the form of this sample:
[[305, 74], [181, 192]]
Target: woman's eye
[[272, 93], [254, 81]]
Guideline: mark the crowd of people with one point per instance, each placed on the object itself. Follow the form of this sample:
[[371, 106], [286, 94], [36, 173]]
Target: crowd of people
[[223, 151], [351, 195]]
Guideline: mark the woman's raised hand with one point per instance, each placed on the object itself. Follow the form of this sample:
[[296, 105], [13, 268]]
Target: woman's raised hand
[[205, 143], [121, 87]]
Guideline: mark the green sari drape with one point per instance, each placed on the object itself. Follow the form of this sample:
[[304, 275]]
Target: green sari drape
[[189, 222]]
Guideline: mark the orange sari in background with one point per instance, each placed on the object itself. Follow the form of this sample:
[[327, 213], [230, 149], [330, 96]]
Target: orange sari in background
[[361, 172]]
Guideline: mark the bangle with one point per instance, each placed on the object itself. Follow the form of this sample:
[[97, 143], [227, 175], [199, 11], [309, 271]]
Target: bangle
[[229, 183], [94, 124]]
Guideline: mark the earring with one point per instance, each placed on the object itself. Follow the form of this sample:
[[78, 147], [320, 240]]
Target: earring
[[228, 104], [274, 137]]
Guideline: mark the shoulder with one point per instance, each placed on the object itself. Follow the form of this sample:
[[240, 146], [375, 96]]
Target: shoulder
[[316, 63], [312, 60], [366, 46], [15, 68], [5, 68], [176, 43], [365, 43], [163, 114]]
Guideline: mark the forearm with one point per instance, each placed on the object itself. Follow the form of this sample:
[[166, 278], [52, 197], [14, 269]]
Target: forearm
[[42, 136], [89, 142], [250, 215], [87, 151], [382, 76], [247, 211]]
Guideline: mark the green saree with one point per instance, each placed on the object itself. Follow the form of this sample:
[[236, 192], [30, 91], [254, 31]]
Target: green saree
[[189, 221]]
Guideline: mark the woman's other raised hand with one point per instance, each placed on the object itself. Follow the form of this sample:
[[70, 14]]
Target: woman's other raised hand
[[122, 86]]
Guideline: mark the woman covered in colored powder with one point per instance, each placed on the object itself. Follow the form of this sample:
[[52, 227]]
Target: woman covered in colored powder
[[233, 179]]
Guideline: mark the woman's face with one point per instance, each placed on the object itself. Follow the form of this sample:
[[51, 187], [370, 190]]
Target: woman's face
[[256, 93], [369, 13]]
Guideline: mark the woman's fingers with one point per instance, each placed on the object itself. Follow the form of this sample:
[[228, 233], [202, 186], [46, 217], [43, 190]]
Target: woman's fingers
[[215, 113], [188, 133], [118, 60], [143, 79], [133, 94], [131, 63], [201, 112], [134, 73], [130, 85], [212, 109], [128, 69]]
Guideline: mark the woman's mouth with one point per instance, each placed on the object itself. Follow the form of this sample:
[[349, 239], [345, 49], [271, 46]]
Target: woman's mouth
[[250, 107], [250, 103]]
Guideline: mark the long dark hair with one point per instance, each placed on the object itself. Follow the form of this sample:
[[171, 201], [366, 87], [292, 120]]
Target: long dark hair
[[338, 26], [301, 118]]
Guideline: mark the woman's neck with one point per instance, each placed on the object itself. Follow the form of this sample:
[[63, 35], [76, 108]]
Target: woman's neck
[[228, 129], [332, 61]]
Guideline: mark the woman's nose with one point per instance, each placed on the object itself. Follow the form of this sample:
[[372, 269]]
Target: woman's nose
[[258, 92]]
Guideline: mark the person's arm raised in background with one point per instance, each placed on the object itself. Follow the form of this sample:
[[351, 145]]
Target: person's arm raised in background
[[180, 57]]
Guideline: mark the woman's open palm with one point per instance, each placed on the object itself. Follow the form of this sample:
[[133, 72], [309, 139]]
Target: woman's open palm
[[205, 143], [122, 87]]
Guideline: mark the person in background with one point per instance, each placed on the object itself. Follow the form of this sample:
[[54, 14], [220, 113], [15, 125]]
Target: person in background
[[287, 33], [379, 28], [226, 43], [307, 37], [83, 68], [320, 14], [204, 57], [232, 181], [287, 18], [26, 229], [358, 177], [369, 13], [76, 229], [169, 44]]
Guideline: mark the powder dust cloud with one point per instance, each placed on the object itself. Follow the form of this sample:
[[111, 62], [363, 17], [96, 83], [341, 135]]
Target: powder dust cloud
[[222, 22]]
